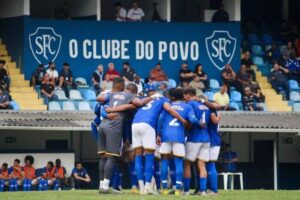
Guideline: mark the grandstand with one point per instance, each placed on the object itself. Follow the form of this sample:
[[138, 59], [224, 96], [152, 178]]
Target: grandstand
[[262, 127]]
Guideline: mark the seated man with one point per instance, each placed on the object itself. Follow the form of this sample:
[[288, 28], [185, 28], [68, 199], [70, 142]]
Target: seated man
[[222, 99], [244, 79], [185, 74], [38, 75], [79, 178], [198, 85], [157, 76], [229, 76], [4, 176], [47, 90], [248, 101], [60, 173], [52, 72], [4, 100], [163, 88], [4, 78], [294, 68], [248, 63], [229, 159], [29, 174], [16, 176], [279, 79], [48, 178], [97, 78], [66, 79], [128, 73], [112, 72], [106, 83]]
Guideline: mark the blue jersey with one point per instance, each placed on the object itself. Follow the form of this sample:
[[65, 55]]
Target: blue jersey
[[150, 112], [80, 172], [173, 130], [213, 129], [198, 133]]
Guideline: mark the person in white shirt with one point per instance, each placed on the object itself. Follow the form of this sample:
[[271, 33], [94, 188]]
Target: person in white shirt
[[135, 13], [52, 72], [120, 12]]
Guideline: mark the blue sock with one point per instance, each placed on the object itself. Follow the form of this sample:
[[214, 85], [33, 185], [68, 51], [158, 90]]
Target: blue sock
[[139, 167], [149, 161], [157, 173], [28, 184], [172, 172], [15, 184], [116, 178], [212, 176], [11, 185], [202, 184], [186, 184], [179, 172], [94, 129], [132, 172], [25, 185], [55, 185], [45, 184], [2, 185], [164, 173], [40, 184]]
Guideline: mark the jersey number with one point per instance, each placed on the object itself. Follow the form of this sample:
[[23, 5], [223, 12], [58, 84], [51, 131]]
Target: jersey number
[[174, 122], [148, 106]]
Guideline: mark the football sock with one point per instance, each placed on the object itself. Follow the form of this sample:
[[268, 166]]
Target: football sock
[[132, 172], [186, 184], [179, 172], [157, 174], [202, 184], [212, 176], [149, 161], [139, 167], [164, 173], [1, 185], [172, 172]]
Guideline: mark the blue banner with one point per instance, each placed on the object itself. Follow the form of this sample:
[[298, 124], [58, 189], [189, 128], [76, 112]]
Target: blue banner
[[85, 44]]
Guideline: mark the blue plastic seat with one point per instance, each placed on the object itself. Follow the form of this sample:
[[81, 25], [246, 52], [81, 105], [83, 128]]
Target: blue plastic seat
[[54, 105], [267, 39], [257, 60], [214, 84], [81, 82], [60, 94], [75, 95], [89, 95], [294, 96], [15, 105], [172, 83], [84, 106], [253, 39], [210, 95], [296, 107], [234, 105], [294, 85], [236, 96], [257, 50], [68, 105]]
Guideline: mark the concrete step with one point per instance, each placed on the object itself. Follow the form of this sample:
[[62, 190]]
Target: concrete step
[[16, 77], [14, 71], [6, 58], [3, 52], [22, 89], [33, 107], [29, 101], [30, 95], [2, 46], [280, 109], [20, 83], [11, 65]]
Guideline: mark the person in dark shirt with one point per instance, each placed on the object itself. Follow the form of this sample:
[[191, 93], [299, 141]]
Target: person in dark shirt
[[292, 64], [97, 78], [243, 78], [38, 75], [47, 90], [128, 73], [185, 74], [221, 15], [273, 54], [229, 76], [248, 63], [79, 178], [4, 78], [198, 71], [229, 158], [4, 100], [279, 78], [66, 79], [249, 103]]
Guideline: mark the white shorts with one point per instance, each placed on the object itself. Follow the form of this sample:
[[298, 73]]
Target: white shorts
[[214, 153], [172, 147], [143, 135], [195, 150], [157, 152]]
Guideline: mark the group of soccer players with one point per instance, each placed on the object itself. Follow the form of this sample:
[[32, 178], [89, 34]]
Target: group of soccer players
[[161, 137]]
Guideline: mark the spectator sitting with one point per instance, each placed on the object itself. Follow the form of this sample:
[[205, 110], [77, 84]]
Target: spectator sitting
[[222, 99], [201, 73], [135, 13], [60, 172], [4, 176], [107, 83], [16, 175], [52, 72], [258, 95], [97, 78], [273, 54], [294, 68], [244, 78], [149, 86], [279, 78], [47, 90], [283, 59], [29, 174], [4, 78], [289, 49], [139, 84], [128, 73], [48, 177], [157, 75], [4, 100], [229, 159], [38, 75], [66, 79], [120, 12], [229, 76], [221, 15], [185, 74], [163, 88], [111, 72], [248, 101], [197, 85], [248, 63], [79, 178]]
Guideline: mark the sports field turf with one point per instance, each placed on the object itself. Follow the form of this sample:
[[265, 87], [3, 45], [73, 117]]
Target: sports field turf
[[93, 194]]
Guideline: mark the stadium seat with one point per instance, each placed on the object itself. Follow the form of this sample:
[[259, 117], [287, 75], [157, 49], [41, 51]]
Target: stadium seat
[[236, 96], [253, 39], [294, 86], [268, 47], [234, 105], [210, 95], [75, 95], [214, 84], [172, 83], [54, 105], [15, 105], [60, 94], [296, 107], [89, 95], [267, 39], [257, 50], [68, 105], [294, 96], [282, 48], [257, 60], [226, 179], [93, 104], [83, 106], [81, 82]]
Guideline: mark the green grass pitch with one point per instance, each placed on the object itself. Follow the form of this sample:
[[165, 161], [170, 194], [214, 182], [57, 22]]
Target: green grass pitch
[[93, 194]]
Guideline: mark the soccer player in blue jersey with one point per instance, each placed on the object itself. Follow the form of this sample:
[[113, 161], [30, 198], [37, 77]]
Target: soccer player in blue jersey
[[197, 144], [144, 139], [215, 143], [172, 138]]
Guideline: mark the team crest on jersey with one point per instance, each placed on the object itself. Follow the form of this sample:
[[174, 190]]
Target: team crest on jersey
[[220, 47], [45, 44], [203, 107]]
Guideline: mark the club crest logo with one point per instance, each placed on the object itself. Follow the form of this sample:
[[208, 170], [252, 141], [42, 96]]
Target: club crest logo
[[220, 47], [45, 44]]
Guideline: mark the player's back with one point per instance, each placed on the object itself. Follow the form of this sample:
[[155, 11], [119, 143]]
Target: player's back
[[173, 129], [213, 130], [150, 112]]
